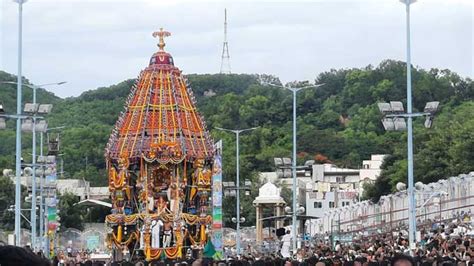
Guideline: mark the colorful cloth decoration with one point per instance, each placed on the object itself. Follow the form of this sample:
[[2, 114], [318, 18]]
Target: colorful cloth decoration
[[159, 160]]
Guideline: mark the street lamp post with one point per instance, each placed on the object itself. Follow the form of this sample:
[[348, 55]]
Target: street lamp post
[[33, 186], [394, 119], [18, 129], [35, 108], [294, 90], [237, 154], [411, 194], [41, 212], [293, 171]]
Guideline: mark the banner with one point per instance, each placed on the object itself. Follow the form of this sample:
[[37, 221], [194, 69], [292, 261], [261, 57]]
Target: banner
[[51, 209], [92, 242], [52, 214], [217, 231]]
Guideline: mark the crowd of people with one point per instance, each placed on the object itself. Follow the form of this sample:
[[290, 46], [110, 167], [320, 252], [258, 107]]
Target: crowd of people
[[445, 244]]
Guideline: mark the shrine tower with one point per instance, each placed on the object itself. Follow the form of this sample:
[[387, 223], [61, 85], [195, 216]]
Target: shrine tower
[[159, 161]]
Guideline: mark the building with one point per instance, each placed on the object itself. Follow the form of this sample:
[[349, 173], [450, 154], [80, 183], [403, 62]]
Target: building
[[331, 187], [447, 200], [317, 183], [371, 169]]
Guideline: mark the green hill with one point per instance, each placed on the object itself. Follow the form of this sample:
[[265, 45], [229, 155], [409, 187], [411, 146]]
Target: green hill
[[339, 121]]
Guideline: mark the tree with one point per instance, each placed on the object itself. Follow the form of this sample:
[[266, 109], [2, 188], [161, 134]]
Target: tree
[[7, 199], [339, 120], [71, 214]]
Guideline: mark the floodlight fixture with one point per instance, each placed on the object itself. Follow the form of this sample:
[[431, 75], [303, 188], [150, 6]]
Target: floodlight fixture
[[51, 159], [384, 108], [309, 162], [401, 186], [388, 124], [278, 161], [286, 161], [39, 171], [399, 123], [429, 121], [31, 108], [419, 185], [49, 171], [248, 183], [41, 126], [2, 109], [3, 123], [431, 107], [45, 108], [27, 125], [279, 173], [397, 107], [41, 159], [230, 193], [301, 210], [27, 171]]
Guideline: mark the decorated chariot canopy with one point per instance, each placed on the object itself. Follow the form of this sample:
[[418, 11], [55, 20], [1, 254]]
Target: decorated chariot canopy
[[160, 162], [160, 121]]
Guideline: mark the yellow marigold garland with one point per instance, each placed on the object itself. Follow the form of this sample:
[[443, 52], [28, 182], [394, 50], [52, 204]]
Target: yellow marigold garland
[[118, 242]]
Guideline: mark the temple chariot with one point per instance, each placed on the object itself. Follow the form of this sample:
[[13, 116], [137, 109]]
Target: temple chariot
[[160, 161]]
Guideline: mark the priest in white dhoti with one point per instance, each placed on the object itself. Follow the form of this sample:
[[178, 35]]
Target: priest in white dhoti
[[142, 237], [286, 243], [155, 233]]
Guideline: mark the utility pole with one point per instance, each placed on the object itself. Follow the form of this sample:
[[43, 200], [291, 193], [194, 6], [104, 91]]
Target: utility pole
[[237, 170]]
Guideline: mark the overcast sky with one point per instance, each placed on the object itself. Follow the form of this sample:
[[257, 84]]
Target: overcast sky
[[98, 43]]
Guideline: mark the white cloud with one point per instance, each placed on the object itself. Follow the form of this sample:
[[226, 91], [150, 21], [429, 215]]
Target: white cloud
[[102, 42]]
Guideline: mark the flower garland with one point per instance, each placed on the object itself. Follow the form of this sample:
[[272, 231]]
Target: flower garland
[[119, 219], [118, 241], [170, 253], [194, 219], [194, 242], [116, 180], [165, 217], [173, 160]]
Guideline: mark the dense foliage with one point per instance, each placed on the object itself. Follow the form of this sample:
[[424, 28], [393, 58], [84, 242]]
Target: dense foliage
[[337, 122]]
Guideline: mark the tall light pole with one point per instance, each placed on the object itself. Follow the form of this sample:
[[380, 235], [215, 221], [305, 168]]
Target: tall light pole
[[394, 119], [33, 216], [237, 169], [293, 165], [18, 129], [411, 192], [33, 161]]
